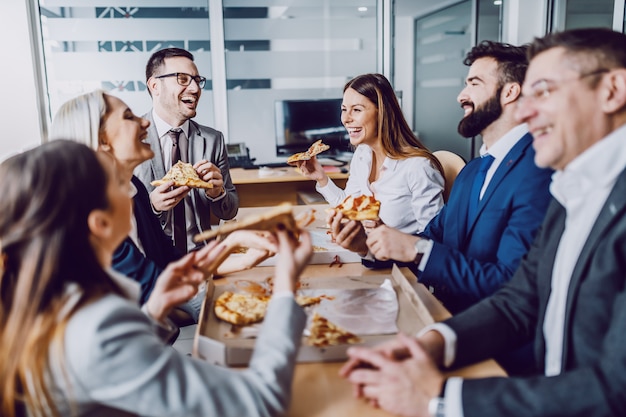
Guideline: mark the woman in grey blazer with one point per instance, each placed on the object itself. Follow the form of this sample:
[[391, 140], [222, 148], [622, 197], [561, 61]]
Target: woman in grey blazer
[[71, 341]]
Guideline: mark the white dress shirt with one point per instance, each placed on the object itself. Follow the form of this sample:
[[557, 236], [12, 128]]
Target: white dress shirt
[[410, 190], [162, 129]]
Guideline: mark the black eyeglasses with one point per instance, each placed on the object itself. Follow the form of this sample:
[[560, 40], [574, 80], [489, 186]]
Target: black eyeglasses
[[184, 79]]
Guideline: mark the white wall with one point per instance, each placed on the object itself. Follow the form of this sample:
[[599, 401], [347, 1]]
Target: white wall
[[404, 60], [19, 116]]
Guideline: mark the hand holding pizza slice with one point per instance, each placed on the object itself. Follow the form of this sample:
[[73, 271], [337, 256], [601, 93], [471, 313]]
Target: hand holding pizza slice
[[182, 174], [360, 208]]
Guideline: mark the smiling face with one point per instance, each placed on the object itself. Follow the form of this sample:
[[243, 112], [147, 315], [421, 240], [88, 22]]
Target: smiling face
[[480, 99], [561, 108], [125, 134], [173, 102], [360, 117]]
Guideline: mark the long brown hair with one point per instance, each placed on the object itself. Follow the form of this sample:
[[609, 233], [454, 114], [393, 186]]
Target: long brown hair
[[48, 193], [398, 141]]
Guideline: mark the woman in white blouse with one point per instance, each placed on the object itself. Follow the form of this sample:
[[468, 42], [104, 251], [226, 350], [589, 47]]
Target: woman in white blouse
[[389, 161]]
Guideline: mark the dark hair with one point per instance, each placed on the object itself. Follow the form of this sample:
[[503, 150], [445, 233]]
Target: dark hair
[[157, 59], [396, 136], [48, 194], [512, 60], [601, 47]]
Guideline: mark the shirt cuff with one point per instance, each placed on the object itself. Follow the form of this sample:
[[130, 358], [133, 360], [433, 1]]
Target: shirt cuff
[[449, 337], [427, 249], [218, 198], [283, 294], [453, 397]]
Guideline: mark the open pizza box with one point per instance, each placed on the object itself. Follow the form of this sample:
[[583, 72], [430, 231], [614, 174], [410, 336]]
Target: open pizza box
[[220, 343]]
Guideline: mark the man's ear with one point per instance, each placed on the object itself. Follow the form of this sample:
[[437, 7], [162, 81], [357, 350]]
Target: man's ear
[[99, 224], [510, 93], [153, 85], [614, 93]]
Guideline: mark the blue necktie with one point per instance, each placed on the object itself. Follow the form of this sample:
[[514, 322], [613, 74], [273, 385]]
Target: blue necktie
[[485, 162]]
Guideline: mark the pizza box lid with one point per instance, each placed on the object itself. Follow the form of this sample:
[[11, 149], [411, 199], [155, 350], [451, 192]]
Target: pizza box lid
[[212, 343]]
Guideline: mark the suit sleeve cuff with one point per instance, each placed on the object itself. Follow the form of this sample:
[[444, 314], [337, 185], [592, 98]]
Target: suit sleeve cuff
[[449, 337]]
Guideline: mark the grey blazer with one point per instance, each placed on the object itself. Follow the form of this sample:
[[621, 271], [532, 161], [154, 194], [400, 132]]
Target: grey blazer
[[116, 366], [204, 143], [593, 381]]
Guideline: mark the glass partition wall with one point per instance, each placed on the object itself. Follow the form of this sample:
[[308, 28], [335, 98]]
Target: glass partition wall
[[253, 53]]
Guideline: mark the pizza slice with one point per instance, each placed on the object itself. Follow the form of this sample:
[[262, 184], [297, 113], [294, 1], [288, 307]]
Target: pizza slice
[[281, 214], [363, 207], [241, 309], [183, 174], [316, 148], [325, 333]]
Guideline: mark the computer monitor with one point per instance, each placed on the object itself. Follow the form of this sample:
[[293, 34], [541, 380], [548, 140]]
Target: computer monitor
[[299, 123]]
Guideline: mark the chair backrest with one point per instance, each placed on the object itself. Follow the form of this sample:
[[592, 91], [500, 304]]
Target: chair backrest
[[452, 165]]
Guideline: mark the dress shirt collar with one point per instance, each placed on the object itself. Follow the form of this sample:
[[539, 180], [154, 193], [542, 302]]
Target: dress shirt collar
[[163, 127], [503, 145], [388, 163], [598, 166]]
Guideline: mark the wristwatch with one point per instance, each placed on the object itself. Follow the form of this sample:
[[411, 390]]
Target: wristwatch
[[436, 407], [420, 247]]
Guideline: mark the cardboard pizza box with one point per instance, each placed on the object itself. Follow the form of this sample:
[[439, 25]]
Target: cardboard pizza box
[[214, 341]]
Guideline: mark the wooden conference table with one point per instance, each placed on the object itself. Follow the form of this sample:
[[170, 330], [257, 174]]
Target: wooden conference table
[[268, 187], [318, 391]]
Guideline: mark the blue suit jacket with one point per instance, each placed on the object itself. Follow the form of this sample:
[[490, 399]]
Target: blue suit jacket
[[471, 260], [130, 261]]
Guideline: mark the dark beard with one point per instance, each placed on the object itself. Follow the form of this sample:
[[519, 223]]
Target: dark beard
[[481, 117]]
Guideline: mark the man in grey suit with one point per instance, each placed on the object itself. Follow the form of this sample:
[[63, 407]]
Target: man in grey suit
[[569, 293], [175, 87]]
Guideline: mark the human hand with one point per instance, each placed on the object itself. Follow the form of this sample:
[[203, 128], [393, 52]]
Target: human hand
[[392, 349], [260, 246], [349, 235], [401, 387], [293, 257], [312, 169], [177, 284], [210, 173], [166, 196], [388, 243]]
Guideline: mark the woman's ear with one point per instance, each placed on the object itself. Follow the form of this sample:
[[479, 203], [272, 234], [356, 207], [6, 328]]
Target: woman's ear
[[99, 224]]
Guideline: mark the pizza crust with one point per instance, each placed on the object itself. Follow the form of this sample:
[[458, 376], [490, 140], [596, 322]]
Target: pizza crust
[[279, 215], [316, 148], [183, 174]]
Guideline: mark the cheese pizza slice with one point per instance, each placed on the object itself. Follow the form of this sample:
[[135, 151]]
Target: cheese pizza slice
[[325, 333], [363, 207], [183, 174], [316, 148]]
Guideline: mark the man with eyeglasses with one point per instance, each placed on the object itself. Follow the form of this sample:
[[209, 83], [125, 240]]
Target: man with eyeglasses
[[175, 87], [569, 293]]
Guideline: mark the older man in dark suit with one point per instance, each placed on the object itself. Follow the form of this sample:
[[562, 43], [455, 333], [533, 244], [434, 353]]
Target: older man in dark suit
[[569, 293]]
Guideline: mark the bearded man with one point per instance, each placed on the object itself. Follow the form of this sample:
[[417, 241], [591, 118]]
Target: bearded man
[[474, 245]]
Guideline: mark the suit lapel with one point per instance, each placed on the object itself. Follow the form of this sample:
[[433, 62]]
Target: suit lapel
[[507, 164], [462, 202], [156, 163], [614, 205]]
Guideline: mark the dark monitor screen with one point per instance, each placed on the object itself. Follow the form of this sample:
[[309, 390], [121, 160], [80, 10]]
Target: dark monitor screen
[[299, 123]]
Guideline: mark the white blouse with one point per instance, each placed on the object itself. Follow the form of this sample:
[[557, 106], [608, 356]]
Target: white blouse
[[410, 190]]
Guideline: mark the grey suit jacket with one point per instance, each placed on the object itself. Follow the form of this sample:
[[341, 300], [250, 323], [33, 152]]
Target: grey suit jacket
[[204, 143], [593, 381], [117, 366]]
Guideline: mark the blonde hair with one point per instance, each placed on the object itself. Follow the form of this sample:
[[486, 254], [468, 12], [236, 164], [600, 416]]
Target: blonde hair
[[80, 119]]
